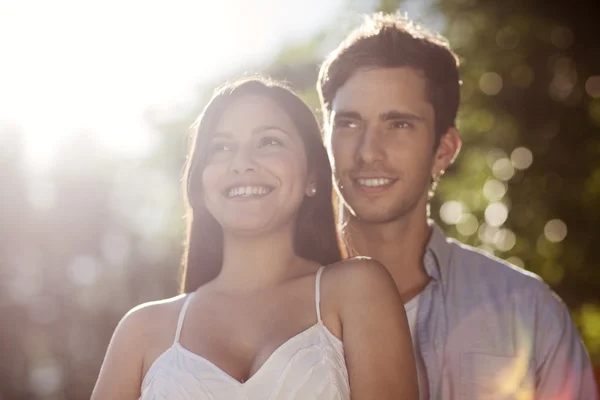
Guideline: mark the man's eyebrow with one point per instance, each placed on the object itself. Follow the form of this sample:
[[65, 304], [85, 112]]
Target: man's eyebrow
[[391, 115], [347, 115]]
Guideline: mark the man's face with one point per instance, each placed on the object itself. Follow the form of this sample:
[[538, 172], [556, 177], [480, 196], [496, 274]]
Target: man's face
[[381, 141]]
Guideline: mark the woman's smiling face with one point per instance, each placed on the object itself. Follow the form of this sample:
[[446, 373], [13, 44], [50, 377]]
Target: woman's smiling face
[[255, 176]]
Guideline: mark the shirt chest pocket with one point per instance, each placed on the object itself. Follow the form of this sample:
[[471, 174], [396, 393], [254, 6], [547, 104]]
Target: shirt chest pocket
[[494, 377]]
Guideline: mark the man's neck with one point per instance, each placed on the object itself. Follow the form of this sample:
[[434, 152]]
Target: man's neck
[[399, 245]]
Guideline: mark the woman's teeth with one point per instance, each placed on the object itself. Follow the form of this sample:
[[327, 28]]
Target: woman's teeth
[[247, 191]]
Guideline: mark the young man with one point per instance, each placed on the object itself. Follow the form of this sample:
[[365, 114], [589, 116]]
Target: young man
[[481, 328]]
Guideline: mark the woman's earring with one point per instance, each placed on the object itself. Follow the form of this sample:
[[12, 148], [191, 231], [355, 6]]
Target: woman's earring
[[312, 191]]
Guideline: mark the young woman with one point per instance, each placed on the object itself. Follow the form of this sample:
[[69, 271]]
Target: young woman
[[260, 316]]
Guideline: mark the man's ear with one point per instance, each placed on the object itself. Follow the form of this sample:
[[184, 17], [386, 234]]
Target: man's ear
[[446, 152]]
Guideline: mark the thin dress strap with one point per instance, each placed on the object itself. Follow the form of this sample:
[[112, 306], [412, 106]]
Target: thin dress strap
[[318, 293], [182, 317]]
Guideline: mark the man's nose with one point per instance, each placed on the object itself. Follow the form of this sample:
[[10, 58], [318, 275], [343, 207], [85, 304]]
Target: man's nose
[[371, 148]]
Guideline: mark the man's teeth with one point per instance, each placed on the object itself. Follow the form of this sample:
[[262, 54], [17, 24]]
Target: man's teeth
[[374, 182], [247, 191]]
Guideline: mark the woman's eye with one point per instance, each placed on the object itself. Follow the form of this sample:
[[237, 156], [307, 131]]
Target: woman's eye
[[219, 147], [269, 141]]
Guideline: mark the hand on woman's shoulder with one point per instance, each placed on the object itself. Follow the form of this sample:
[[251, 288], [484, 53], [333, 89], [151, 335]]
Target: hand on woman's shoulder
[[142, 328]]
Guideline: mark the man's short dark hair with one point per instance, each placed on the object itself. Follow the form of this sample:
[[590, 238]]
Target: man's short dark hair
[[393, 41]]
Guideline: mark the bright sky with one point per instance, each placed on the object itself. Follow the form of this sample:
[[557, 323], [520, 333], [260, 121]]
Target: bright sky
[[96, 66]]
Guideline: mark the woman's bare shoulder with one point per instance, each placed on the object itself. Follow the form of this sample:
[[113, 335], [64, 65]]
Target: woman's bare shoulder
[[358, 272], [349, 282], [144, 327], [156, 308], [144, 319]]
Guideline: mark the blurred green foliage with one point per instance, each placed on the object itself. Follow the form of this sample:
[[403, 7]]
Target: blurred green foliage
[[85, 242]]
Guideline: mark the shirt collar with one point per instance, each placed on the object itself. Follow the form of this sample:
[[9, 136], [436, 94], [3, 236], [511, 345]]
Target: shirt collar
[[437, 254]]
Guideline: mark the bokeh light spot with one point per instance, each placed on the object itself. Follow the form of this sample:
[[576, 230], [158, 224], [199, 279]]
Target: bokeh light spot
[[555, 230], [494, 190], [505, 240], [490, 83], [564, 80], [46, 379], [487, 233], [592, 86], [562, 37], [467, 225], [452, 211], [521, 158], [494, 155], [503, 169], [496, 214], [84, 270]]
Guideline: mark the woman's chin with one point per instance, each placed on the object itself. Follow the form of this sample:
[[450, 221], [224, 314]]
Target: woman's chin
[[247, 226]]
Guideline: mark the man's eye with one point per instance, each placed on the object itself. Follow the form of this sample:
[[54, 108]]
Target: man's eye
[[269, 141], [341, 124], [400, 124]]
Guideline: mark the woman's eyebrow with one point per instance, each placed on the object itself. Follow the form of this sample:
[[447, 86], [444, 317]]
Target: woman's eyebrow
[[264, 128], [219, 134]]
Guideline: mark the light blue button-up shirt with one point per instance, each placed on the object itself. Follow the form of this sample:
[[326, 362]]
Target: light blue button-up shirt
[[489, 330]]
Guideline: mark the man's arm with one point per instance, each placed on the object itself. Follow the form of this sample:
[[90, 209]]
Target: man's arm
[[563, 368]]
